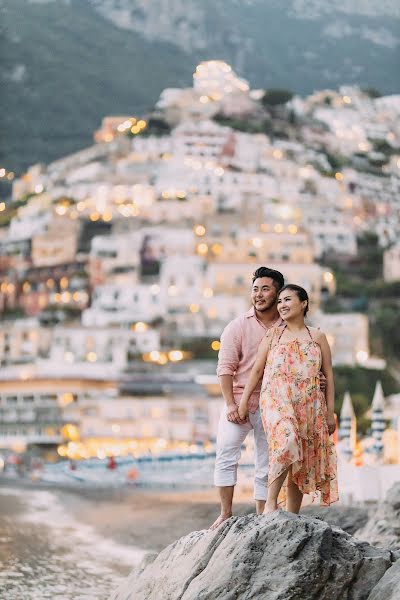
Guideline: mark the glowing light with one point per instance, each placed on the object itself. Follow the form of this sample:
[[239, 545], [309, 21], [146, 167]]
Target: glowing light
[[339, 176], [278, 228], [219, 171], [155, 289], [194, 308], [61, 210], [50, 283], [208, 292], [39, 189], [347, 99], [216, 345], [200, 230], [155, 355], [175, 355], [81, 206], [26, 287], [292, 229], [94, 216], [64, 282], [216, 249], [204, 99], [115, 428], [277, 154], [70, 432], [328, 277], [202, 249], [141, 327], [66, 398], [91, 356], [2, 172], [257, 242], [107, 216], [2, 206]]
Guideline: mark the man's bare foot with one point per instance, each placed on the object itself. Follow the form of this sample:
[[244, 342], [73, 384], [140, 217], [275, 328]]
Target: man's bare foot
[[220, 520]]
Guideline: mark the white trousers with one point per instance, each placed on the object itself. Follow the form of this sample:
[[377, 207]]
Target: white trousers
[[230, 438]]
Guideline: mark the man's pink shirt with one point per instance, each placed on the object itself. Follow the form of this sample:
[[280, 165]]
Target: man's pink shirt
[[239, 344]]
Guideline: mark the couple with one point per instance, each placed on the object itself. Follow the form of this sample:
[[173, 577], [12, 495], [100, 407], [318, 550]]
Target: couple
[[291, 416]]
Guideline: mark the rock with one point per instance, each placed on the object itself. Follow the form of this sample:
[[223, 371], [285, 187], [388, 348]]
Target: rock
[[276, 557], [348, 518], [388, 587], [383, 528]]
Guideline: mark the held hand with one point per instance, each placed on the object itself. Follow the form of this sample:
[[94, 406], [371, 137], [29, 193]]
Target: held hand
[[232, 415], [243, 412], [331, 421], [322, 382]]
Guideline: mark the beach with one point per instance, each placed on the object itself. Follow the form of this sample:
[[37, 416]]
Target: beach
[[69, 545], [63, 544]]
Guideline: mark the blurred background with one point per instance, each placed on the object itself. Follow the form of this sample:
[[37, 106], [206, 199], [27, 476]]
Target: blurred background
[[152, 156]]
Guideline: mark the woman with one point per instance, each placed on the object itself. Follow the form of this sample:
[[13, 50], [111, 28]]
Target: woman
[[297, 418]]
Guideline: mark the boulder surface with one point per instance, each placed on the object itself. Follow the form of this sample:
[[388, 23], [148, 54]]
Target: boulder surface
[[275, 557], [383, 527]]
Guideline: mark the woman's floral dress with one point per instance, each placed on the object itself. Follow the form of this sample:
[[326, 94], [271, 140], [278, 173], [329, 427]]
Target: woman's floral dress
[[294, 414]]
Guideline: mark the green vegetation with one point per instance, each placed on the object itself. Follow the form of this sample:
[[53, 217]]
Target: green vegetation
[[360, 287], [200, 347], [361, 385], [247, 125], [276, 97], [76, 67], [155, 126]]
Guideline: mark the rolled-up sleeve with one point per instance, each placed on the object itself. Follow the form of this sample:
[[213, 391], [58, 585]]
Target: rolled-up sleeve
[[230, 351]]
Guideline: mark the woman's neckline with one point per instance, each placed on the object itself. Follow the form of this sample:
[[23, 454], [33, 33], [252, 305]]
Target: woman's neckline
[[296, 339]]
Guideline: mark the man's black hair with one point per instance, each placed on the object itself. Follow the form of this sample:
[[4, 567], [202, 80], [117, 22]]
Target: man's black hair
[[276, 276]]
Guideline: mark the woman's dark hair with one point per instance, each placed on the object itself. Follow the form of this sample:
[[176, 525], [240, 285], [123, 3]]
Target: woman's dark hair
[[300, 292], [276, 276]]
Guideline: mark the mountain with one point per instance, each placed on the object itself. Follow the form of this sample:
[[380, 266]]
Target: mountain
[[67, 63]]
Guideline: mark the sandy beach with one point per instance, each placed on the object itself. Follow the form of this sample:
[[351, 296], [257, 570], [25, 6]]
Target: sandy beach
[[64, 544], [60, 544]]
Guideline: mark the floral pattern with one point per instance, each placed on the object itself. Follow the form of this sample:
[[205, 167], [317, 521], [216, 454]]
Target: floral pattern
[[294, 415]]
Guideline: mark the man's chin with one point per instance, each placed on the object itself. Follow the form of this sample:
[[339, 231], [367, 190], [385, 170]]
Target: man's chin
[[263, 307]]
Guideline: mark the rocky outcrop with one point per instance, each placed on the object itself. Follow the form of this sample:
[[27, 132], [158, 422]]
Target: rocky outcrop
[[275, 557], [348, 518], [388, 587], [383, 527]]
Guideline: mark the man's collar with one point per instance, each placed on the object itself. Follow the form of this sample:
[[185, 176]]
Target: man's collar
[[251, 312]]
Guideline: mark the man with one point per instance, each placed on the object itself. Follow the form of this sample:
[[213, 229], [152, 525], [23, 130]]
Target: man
[[239, 344]]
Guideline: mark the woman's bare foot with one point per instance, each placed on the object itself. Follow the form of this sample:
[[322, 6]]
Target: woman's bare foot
[[220, 520], [270, 509]]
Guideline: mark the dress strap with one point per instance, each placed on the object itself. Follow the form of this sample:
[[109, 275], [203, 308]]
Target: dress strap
[[309, 333], [281, 333]]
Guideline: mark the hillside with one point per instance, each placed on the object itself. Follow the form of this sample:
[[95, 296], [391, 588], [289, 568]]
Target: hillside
[[67, 63]]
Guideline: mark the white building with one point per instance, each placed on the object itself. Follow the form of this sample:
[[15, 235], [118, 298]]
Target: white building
[[124, 304]]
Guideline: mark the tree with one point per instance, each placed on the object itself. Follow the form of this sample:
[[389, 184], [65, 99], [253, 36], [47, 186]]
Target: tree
[[276, 97]]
